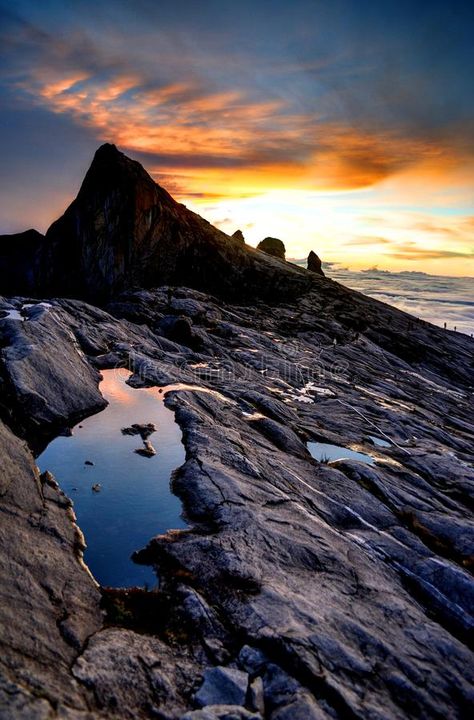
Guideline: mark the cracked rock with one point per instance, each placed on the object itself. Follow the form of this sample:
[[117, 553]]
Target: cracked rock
[[222, 686]]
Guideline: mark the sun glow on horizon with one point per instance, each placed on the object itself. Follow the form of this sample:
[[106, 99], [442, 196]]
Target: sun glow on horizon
[[355, 229]]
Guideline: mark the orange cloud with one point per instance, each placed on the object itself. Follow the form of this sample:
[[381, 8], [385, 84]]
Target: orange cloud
[[226, 144], [56, 88]]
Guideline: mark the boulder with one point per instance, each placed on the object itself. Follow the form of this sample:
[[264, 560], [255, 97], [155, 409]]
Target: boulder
[[50, 382], [176, 328], [272, 246]]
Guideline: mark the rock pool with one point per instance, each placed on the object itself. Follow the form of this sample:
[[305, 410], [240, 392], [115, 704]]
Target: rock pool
[[123, 498], [325, 452]]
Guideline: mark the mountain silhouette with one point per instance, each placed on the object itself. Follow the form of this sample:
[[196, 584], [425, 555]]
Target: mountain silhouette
[[124, 231]]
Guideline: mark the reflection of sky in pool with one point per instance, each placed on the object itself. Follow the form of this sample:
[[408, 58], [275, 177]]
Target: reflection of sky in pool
[[135, 502], [379, 442], [323, 452]]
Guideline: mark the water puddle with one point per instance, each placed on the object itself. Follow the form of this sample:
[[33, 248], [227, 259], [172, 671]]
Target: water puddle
[[379, 442], [12, 315], [122, 498], [324, 452], [22, 314]]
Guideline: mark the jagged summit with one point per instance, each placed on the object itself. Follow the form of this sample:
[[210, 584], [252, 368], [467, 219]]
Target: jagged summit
[[107, 149], [110, 167]]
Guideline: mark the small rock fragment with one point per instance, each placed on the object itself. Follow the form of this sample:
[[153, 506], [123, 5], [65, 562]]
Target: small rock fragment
[[256, 695], [216, 649], [251, 659], [147, 450], [142, 429], [222, 686]]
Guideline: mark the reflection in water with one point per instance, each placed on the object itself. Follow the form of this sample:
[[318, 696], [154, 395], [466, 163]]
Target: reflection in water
[[327, 453], [379, 442], [134, 501]]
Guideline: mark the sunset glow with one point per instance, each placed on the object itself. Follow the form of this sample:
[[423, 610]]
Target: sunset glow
[[330, 137]]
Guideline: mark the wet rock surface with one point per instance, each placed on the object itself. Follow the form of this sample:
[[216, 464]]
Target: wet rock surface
[[49, 602], [147, 450], [336, 590]]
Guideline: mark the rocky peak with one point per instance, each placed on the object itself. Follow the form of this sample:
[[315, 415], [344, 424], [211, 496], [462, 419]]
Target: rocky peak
[[110, 169], [123, 230], [314, 263]]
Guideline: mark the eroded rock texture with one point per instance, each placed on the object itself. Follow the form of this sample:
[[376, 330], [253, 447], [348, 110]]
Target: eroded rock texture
[[334, 589]]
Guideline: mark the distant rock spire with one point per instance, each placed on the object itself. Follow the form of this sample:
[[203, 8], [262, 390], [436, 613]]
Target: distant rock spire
[[238, 235], [314, 263]]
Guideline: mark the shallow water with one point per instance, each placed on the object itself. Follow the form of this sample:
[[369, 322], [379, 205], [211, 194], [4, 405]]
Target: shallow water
[[21, 315], [323, 452], [379, 442], [12, 315], [135, 501]]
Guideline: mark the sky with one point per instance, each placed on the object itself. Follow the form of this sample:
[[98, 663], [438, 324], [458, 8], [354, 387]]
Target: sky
[[346, 127]]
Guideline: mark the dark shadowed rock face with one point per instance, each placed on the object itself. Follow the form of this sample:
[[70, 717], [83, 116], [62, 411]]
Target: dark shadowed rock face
[[314, 263], [123, 230], [272, 246], [17, 262]]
